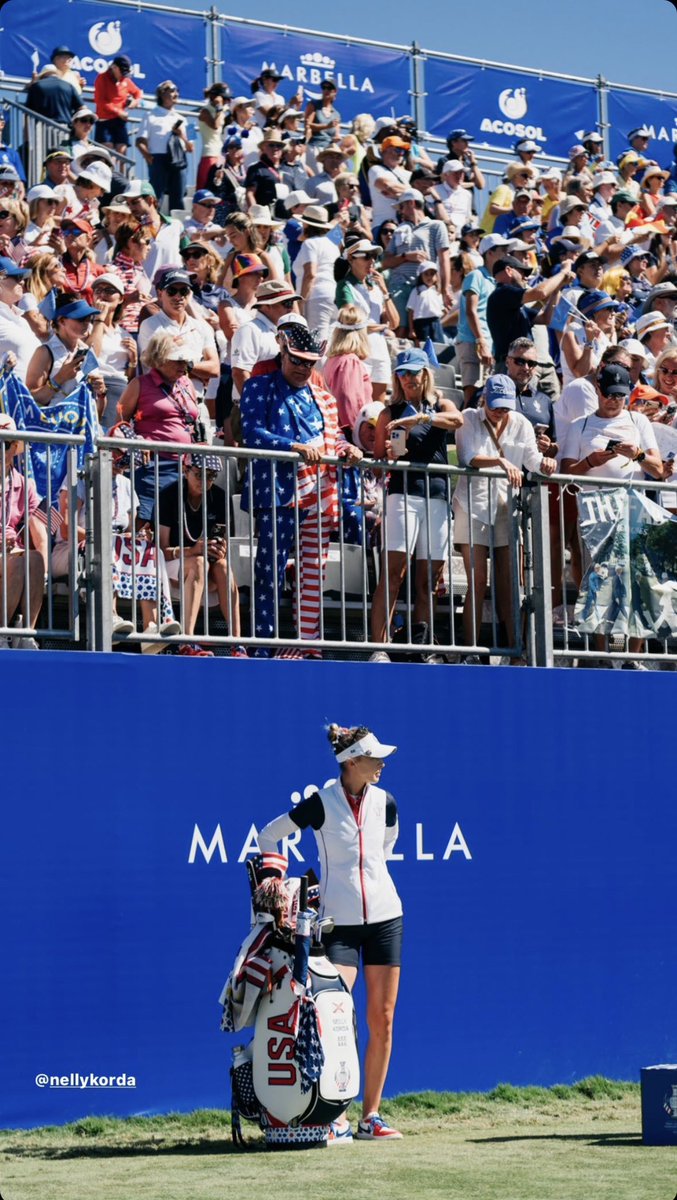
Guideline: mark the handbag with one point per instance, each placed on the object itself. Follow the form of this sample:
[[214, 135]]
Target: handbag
[[176, 152]]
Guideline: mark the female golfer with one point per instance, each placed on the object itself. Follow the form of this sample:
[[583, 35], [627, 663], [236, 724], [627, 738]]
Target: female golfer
[[355, 824]]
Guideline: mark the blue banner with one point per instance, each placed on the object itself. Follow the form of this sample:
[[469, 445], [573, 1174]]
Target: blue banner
[[629, 110], [499, 107], [370, 79], [534, 861], [161, 45]]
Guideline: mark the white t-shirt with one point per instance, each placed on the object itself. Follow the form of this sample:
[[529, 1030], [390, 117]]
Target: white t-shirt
[[424, 303], [164, 247], [320, 252], [518, 445], [156, 127], [592, 433], [254, 342], [577, 399], [457, 203], [383, 208], [17, 336], [198, 337]]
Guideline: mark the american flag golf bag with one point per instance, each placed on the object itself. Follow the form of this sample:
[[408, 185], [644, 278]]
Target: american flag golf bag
[[301, 1069]]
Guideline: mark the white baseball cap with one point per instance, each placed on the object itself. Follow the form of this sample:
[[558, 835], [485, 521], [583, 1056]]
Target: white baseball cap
[[452, 164], [41, 192], [491, 242]]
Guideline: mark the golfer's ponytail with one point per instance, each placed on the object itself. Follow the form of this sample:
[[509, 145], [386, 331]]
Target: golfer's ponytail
[[341, 738]]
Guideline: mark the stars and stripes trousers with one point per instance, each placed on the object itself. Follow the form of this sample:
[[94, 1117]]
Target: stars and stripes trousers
[[273, 552]]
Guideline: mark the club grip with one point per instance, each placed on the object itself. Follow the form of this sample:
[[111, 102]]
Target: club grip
[[303, 894]]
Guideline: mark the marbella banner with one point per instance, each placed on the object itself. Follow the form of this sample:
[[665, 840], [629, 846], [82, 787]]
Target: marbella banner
[[370, 79], [499, 107], [629, 587], [527, 865], [629, 110], [161, 45]]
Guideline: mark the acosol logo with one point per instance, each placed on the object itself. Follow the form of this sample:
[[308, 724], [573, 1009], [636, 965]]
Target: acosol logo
[[106, 37], [513, 103]]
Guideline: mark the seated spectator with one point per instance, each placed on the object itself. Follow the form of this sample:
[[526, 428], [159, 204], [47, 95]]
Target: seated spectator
[[270, 249], [322, 185], [518, 175], [78, 259], [91, 185], [349, 209], [244, 238], [651, 193], [164, 143], [164, 233], [294, 170], [163, 406], [285, 411], [458, 145], [16, 334], [655, 333], [417, 505], [665, 374], [57, 368], [551, 182], [174, 295], [295, 205], [21, 582], [205, 268], [194, 540], [38, 302], [113, 217], [495, 435], [201, 225], [521, 205], [13, 224], [388, 180], [359, 282], [42, 206]]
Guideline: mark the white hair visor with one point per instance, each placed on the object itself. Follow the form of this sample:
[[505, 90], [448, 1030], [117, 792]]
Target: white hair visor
[[369, 746]]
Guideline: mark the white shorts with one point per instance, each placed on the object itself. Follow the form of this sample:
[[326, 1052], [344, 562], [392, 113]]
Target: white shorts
[[379, 359], [436, 545]]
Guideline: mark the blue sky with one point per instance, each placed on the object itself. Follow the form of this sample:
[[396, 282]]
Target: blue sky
[[625, 41]]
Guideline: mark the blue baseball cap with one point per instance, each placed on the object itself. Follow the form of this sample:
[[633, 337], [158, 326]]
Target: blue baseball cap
[[9, 268], [595, 301], [524, 226], [203, 194], [411, 360], [500, 392], [77, 310], [455, 135]]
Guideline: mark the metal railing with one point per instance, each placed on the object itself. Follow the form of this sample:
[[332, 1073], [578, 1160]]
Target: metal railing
[[34, 136], [39, 566]]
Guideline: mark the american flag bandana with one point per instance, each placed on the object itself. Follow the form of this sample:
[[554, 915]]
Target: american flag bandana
[[309, 1052]]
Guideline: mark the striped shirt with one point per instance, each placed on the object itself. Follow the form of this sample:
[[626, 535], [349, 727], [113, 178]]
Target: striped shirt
[[135, 278]]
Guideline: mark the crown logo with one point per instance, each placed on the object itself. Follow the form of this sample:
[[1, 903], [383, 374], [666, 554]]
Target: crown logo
[[318, 60]]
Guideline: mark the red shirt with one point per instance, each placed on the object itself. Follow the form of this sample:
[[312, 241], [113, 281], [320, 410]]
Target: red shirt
[[79, 278], [110, 95]]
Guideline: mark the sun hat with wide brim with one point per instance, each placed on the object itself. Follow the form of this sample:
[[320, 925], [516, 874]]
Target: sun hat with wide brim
[[317, 216]]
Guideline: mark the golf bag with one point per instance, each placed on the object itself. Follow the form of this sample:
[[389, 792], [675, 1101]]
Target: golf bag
[[301, 1069]]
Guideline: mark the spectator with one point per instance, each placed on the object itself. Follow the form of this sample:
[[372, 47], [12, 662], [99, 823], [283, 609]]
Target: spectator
[[455, 197], [551, 182], [16, 334], [91, 185], [114, 94], [314, 270], [285, 411], [244, 127], [244, 238], [507, 315], [226, 180], [518, 175], [163, 405], [52, 97], [164, 143], [78, 259], [651, 193], [655, 333], [295, 205], [13, 223], [132, 245], [99, 155], [322, 186], [194, 540], [323, 121], [536, 406], [628, 167], [38, 302], [263, 182], [256, 342], [349, 209], [417, 505], [506, 222], [294, 170], [205, 269], [585, 338], [345, 369], [10, 183], [473, 340], [197, 338], [638, 360], [201, 225], [665, 375], [526, 150], [272, 253], [458, 145], [235, 310], [57, 174], [362, 284], [662, 299], [8, 156], [55, 370], [82, 127], [388, 180], [113, 346], [267, 99], [495, 435], [211, 123], [416, 239], [425, 306], [113, 216], [21, 582], [62, 58], [164, 233]]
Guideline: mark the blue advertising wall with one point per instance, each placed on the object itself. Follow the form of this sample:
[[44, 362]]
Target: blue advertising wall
[[535, 861], [370, 78], [629, 110], [161, 45], [499, 107]]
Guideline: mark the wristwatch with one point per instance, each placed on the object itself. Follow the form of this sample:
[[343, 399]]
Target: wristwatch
[[640, 456]]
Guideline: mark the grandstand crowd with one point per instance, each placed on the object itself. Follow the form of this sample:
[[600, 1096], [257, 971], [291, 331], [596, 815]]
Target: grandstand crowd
[[304, 293]]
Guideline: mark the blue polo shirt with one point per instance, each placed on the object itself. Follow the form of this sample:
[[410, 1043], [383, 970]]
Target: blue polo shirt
[[482, 285]]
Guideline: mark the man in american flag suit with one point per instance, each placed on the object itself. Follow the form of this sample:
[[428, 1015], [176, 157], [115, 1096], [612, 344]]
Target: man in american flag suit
[[283, 410]]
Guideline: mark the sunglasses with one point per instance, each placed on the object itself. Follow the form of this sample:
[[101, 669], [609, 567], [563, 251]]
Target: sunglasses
[[524, 362], [178, 291], [210, 475], [4, 214], [106, 291], [207, 203], [669, 371], [300, 362], [194, 254], [85, 120], [288, 304], [69, 232]]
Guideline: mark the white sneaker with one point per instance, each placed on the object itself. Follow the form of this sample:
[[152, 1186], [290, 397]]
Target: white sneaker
[[379, 656], [151, 647], [121, 627], [170, 628]]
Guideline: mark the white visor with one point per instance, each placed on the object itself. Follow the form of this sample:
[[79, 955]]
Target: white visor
[[369, 746]]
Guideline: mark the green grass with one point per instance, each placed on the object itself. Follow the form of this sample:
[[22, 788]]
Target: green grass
[[560, 1143]]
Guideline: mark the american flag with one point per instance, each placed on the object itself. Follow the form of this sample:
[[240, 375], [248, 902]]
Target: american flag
[[53, 521]]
